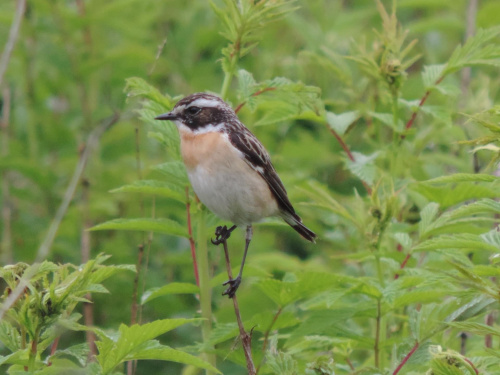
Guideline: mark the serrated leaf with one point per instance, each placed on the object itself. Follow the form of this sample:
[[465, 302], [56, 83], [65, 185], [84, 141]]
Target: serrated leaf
[[432, 73], [155, 351], [463, 177], [342, 121], [492, 237], [427, 216], [113, 351], [174, 172], [172, 288], [466, 241], [388, 119], [136, 86], [475, 328], [165, 226], [154, 187], [403, 239], [363, 166]]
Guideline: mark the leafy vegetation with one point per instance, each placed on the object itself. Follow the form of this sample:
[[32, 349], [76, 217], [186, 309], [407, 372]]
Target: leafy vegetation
[[382, 118]]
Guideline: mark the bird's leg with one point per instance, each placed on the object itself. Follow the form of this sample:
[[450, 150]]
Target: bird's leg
[[222, 234], [235, 283]]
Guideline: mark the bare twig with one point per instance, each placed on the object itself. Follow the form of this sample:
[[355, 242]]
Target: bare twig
[[246, 339], [11, 42], [43, 250], [6, 241], [406, 358], [158, 54], [191, 239]]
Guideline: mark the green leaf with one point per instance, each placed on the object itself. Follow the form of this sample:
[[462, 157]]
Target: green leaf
[[115, 350], [478, 50], [465, 241], [155, 351], [427, 216], [431, 74], [165, 226], [463, 177], [341, 122], [174, 172], [154, 187], [136, 86], [475, 328], [363, 166], [172, 288]]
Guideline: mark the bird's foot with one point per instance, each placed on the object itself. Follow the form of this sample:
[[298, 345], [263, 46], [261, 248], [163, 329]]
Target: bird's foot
[[233, 287], [221, 235]]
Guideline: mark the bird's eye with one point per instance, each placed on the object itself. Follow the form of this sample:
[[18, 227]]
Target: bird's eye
[[193, 110]]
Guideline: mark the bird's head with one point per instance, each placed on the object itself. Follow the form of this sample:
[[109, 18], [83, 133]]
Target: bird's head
[[200, 113]]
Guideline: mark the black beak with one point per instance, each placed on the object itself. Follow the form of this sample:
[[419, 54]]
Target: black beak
[[166, 116]]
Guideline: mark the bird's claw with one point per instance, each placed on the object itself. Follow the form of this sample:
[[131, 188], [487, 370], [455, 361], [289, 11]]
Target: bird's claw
[[233, 287], [221, 235]]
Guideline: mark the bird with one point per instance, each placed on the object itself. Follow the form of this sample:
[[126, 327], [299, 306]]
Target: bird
[[230, 170]]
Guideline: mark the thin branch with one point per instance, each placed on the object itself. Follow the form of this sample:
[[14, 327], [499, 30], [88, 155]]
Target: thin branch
[[246, 339], [266, 336], [43, 250], [161, 47], [191, 239], [406, 358], [11, 42]]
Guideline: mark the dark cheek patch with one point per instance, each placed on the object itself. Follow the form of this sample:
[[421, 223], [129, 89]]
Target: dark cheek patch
[[205, 117]]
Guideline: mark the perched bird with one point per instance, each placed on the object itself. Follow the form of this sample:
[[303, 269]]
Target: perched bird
[[230, 170]]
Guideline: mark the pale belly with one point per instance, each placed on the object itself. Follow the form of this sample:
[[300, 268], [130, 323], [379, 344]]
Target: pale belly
[[234, 192]]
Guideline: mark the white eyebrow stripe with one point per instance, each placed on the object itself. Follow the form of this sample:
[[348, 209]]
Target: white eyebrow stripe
[[202, 102]]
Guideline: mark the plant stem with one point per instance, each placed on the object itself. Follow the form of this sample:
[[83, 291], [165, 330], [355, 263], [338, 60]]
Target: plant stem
[[191, 239], [6, 255], [33, 351], [376, 347], [205, 289], [406, 358], [266, 336], [246, 339]]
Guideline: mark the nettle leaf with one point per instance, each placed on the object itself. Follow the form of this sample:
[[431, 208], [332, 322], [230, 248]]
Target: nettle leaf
[[404, 240], [172, 288], [463, 177], [341, 122], [475, 328], [129, 340], [363, 166], [450, 196], [388, 119], [478, 50], [136, 86], [154, 187], [165, 226], [9, 336], [431, 74], [155, 351], [492, 237], [174, 172], [427, 216], [80, 352], [470, 309], [463, 241]]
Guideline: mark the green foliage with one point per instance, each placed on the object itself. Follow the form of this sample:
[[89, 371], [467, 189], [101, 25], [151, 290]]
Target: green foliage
[[388, 149]]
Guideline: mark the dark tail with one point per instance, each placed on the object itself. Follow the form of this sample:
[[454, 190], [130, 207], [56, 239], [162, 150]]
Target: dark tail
[[296, 223]]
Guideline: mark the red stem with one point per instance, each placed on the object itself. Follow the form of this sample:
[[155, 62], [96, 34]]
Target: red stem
[[254, 94], [403, 265], [422, 101], [405, 359], [191, 239], [470, 363]]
